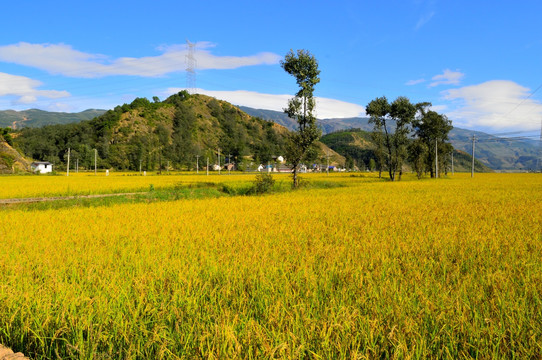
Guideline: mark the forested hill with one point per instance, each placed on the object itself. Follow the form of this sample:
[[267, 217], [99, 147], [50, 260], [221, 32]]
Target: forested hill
[[175, 131], [37, 118]]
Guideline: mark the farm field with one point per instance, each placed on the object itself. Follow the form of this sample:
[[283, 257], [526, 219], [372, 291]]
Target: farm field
[[447, 268], [88, 183]]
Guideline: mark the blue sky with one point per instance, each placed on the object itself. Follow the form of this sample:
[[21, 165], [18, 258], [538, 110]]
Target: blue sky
[[478, 62]]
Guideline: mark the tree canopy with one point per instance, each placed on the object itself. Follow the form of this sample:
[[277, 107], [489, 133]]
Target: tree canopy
[[304, 67]]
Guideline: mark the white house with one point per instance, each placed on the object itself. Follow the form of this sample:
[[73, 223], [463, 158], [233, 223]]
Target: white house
[[43, 167]]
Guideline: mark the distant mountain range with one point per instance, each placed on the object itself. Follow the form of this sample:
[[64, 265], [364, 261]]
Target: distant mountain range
[[495, 152], [37, 118]]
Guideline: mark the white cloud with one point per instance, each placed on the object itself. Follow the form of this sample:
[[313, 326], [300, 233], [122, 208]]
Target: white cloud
[[325, 108], [26, 89], [59, 107], [414, 82], [331, 108], [449, 77], [63, 59], [495, 105], [439, 108], [424, 19]]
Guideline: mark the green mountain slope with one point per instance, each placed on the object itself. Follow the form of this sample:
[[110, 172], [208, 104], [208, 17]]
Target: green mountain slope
[[354, 144], [36, 118], [463, 163], [176, 132], [496, 153]]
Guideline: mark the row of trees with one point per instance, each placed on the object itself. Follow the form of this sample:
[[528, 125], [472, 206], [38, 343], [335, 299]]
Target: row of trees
[[403, 131]]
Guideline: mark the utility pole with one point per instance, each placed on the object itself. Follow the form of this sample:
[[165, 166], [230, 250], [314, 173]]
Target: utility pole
[[68, 167], [538, 161], [207, 166], [95, 157], [197, 164], [218, 161], [452, 161], [77, 165], [436, 159], [140, 166], [473, 142]]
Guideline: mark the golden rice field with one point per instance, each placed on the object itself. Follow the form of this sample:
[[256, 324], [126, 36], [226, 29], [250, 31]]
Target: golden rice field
[[88, 183], [448, 268]]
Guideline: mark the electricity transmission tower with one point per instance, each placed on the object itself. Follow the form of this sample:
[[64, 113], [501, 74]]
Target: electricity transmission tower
[[191, 65]]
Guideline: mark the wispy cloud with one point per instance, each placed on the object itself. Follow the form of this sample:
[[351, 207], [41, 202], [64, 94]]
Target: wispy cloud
[[495, 105], [64, 60], [414, 82], [449, 77], [325, 108], [424, 19], [25, 89]]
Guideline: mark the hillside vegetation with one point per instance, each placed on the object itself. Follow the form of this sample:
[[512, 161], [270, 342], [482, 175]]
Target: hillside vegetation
[[155, 134], [493, 152], [10, 160]]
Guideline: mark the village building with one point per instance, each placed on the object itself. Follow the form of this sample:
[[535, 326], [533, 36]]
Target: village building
[[43, 167]]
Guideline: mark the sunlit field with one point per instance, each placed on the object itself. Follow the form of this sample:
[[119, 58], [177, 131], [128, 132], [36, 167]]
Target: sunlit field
[[88, 183], [447, 268]]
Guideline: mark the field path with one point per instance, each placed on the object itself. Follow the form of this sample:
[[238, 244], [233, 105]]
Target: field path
[[41, 199]]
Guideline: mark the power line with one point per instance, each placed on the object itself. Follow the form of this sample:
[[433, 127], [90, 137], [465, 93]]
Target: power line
[[538, 160], [498, 140], [518, 105]]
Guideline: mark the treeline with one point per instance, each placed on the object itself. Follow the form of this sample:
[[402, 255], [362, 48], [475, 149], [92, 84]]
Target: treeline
[[150, 135]]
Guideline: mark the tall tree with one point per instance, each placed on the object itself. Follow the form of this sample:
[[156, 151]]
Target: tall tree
[[391, 123], [304, 67], [379, 152]]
